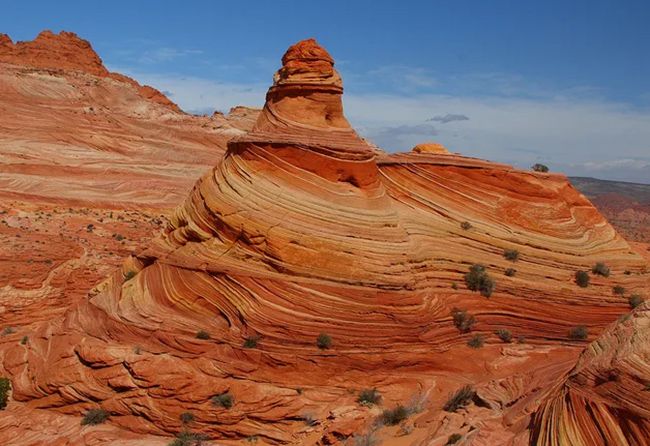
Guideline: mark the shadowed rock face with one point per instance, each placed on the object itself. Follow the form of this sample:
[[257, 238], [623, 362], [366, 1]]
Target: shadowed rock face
[[303, 228]]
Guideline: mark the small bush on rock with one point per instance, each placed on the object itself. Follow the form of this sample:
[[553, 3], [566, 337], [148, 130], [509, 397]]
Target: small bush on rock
[[393, 417], [477, 279], [601, 269], [476, 342], [453, 439], [5, 387], [466, 225], [324, 341], [203, 335], [461, 398], [540, 168], [186, 417], [510, 272], [579, 333], [619, 290], [504, 335], [222, 400], [94, 416], [635, 300], [369, 397], [251, 342], [582, 279], [511, 254], [462, 320]]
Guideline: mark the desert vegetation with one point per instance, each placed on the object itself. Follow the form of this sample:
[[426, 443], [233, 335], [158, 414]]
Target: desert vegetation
[[369, 397], [95, 416], [579, 333], [476, 342], [635, 300], [511, 254], [5, 387], [204, 335], [540, 168], [459, 399], [324, 341], [582, 279], [224, 400], [504, 335], [463, 321], [477, 279], [600, 269]]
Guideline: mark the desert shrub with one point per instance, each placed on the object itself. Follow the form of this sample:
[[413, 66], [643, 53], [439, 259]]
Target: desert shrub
[[466, 225], [627, 272], [94, 416], [511, 254], [619, 290], [453, 439], [540, 168], [601, 269], [222, 400], [579, 332], [5, 387], [462, 320], [324, 341], [476, 342], [369, 397], [461, 398], [477, 279], [186, 417], [202, 335], [129, 275], [393, 417], [187, 438], [521, 340], [454, 286], [251, 342], [646, 387], [367, 439], [504, 335], [24, 340], [582, 279], [8, 331], [510, 272], [635, 300]]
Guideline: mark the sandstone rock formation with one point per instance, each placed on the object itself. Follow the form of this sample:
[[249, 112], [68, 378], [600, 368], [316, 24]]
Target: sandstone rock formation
[[430, 147], [302, 229]]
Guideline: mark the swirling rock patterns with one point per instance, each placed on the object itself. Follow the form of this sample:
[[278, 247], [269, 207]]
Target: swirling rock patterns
[[304, 228]]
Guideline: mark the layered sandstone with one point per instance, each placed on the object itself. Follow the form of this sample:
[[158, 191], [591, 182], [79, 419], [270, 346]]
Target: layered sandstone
[[303, 228]]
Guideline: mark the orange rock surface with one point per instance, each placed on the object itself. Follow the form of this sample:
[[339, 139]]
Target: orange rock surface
[[430, 147], [302, 228]]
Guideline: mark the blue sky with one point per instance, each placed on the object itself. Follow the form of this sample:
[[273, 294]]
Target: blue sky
[[565, 83]]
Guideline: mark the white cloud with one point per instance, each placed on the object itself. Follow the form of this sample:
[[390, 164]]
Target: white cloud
[[577, 135]]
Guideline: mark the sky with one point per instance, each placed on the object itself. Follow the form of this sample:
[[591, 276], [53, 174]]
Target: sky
[[562, 83]]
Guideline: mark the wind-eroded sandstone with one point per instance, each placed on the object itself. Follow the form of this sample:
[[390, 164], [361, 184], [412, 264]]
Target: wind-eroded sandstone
[[303, 228]]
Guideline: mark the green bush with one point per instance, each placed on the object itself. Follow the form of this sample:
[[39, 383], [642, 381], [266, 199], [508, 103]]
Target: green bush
[[540, 168], [187, 438], [635, 300], [511, 254], [187, 417], [504, 335], [462, 320], [579, 333], [466, 225], [369, 397], [251, 342], [477, 279], [461, 398], [203, 335], [582, 279], [453, 439], [510, 272], [619, 290], [324, 341], [601, 269], [392, 417], [476, 342], [94, 416], [223, 400], [5, 387]]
